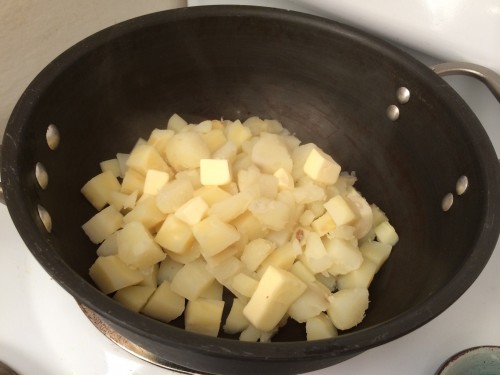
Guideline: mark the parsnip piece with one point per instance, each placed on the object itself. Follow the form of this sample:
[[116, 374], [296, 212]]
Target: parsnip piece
[[236, 321], [174, 235], [320, 327], [98, 189], [214, 172], [232, 207], [339, 210], [276, 291], [347, 307], [185, 150], [134, 297], [146, 211], [132, 181], [136, 246], [154, 181], [272, 214], [176, 123], [345, 255], [204, 316], [214, 235], [321, 167], [271, 154], [377, 252], [244, 284], [103, 224], [192, 211], [164, 304], [145, 157], [167, 270], [315, 256], [110, 274], [112, 166], [255, 252], [386, 233], [173, 195], [310, 304], [359, 278], [192, 280]]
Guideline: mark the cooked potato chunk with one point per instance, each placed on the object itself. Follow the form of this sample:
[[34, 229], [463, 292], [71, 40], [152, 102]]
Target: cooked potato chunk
[[98, 189], [103, 224], [110, 273], [347, 307], [164, 304], [204, 316], [134, 297]]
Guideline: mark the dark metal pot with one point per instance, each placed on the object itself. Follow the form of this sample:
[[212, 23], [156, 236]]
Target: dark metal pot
[[328, 83]]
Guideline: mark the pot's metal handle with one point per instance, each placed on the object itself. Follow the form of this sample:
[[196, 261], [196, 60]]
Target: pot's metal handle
[[490, 78]]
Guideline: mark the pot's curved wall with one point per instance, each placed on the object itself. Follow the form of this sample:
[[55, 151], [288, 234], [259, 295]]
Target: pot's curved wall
[[34, 32]]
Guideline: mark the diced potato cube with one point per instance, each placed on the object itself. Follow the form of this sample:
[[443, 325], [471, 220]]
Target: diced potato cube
[[204, 316], [110, 274], [378, 215], [164, 304], [211, 194], [299, 157], [154, 181], [300, 270], [244, 284], [145, 157], [359, 278], [386, 233], [159, 139], [192, 280], [231, 207], [306, 218], [150, 275], [109, 246], [122, 201], [192, 175], [176, 123], [146, 211], [308, 193], [214, 291], [132, 181], [276, 291], [136, 246], [173, 195], [270, 154], [315, 256], [215, 172], [214, 235], [122, 162], [215, 138], [174, 235], [111, 165], [226, 152], [345, 255], [285, 179], [377, 252], [190, 255], [340, 211], [283, 257], [103, 224], [98, 189], [192, 211], [236, 321], [321, 167], [347, 307], [320, 327], [185, 150], [272, 214], [255, 252], [167, 270], [237, 133], [323, 224], [218, 258], [250, 334], [226, 270], [134, 297], [249, 226], [310, 304], [329, 281], [255, 124]]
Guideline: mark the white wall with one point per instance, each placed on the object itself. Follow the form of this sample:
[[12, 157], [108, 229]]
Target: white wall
[[34, 32]]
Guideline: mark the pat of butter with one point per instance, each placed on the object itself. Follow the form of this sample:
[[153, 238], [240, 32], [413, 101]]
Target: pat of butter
[[154, 181], [321, 167], [214, 172], [339, 210], [285, 179], [192, 211]]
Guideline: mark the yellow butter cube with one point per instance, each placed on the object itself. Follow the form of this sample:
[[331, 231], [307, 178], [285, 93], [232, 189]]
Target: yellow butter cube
[[154, 181], [215, 172], [321, 167]]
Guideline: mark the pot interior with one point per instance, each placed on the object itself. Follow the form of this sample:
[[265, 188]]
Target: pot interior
[[327, 84]]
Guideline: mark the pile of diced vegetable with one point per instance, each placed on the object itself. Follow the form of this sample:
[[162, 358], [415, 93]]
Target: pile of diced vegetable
[[199, 208]]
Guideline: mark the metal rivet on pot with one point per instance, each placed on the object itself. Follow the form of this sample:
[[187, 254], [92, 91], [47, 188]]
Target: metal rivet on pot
[[41, 175], [447, 202], [52, 136], [462, 185], [45, 217], [403, 95], [392, 112]]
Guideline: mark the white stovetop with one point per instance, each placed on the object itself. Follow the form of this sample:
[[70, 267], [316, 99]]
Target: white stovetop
[[43, 332]]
